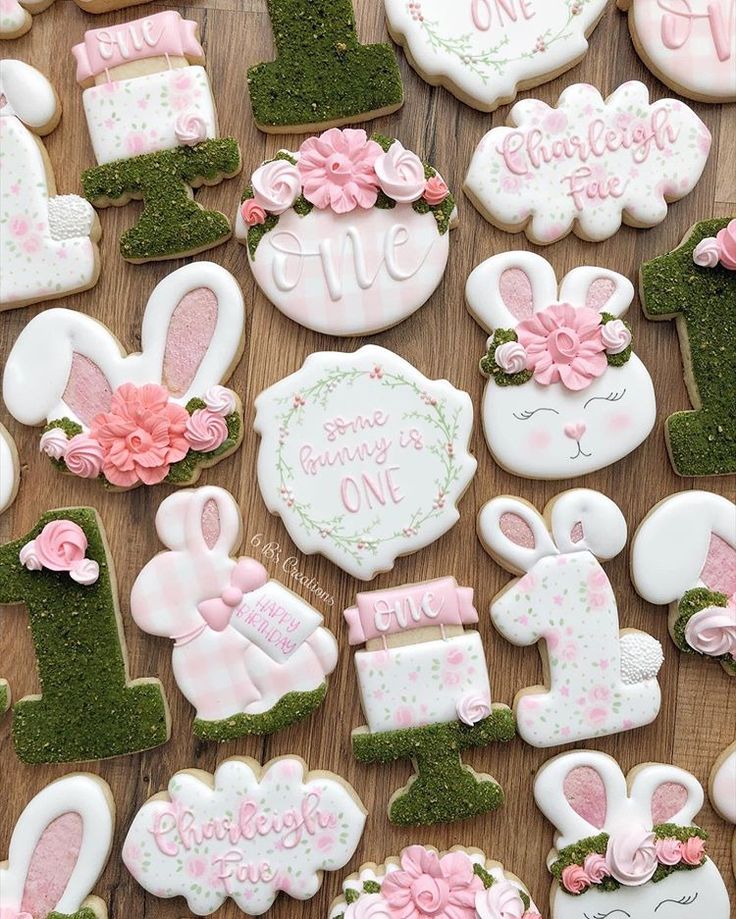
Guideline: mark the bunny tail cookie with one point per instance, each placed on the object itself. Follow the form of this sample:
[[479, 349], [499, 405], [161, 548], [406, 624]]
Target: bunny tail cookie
[[250, 655], [48, 247], [9, 471], [425, 692], [245, 833], [363, 457], [16, 16], [88, 707], [722, 790], [68, 372], [566, 395], [627, 844], [696, 286], [598, 680], [464, 880], [347, 259], [684, 555], [146, 78], [58, 850]]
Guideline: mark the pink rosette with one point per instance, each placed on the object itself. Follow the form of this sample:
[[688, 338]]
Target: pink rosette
[[53, 443], [444, 888], [337, 170], [220, 399], [205, 430], [668, 852], [473, 708], [500, 901], [401, 174], [28, 558], [596, 868], [435, 191], [712, 631], [693, 850], [632, 856], [615, 336], [727, 245], [85, 572], [707, 253], [84, 456], [190, 129], [252, 212], [510, 357], [372, 906], [276, 186], [574, 879], [60, 545]]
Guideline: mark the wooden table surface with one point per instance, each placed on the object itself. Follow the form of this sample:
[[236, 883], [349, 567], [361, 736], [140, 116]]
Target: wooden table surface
[[698, 715]]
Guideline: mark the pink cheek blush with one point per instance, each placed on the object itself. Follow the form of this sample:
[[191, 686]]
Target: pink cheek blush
[[619, 422], [540, 440]]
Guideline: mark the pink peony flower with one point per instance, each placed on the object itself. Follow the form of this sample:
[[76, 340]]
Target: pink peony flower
[[693, 850], [596, 868], [668, 851], [337, 170], [435, 191], [141, 435], [564, 344], [252, 212], [206, 430], [83, 456], [427, 885], [574, 879], [632, 856]]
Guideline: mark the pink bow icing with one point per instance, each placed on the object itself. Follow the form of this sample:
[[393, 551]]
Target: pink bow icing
[[247, 575]]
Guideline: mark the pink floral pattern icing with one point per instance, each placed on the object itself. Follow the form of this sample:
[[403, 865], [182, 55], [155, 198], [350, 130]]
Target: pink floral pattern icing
[[61, 546], [429, 885], [337, 170]]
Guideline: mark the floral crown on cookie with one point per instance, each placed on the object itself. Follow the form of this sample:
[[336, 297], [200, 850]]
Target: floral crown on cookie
[[718, 250], [343, 170]]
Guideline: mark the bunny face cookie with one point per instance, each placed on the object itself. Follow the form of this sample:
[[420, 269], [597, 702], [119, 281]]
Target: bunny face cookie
[[48, 247], [722, 790], [9, 469], [627, 844], [249, 654], [566, 395], [157, 416], [599, 680], [58, 850]]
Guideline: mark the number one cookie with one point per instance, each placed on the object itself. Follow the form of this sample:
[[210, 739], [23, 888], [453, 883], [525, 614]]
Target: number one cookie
[[322, 75]]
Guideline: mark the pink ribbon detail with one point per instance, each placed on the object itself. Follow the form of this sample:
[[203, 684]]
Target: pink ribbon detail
[[247, 575]]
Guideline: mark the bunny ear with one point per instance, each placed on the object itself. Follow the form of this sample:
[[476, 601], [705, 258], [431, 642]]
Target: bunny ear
[[515, 533], [29, 96], [506, 289], [200, 520], [192, 331], [582, 519], [666, 794], [88, 391], [599, 289], [723, 784]]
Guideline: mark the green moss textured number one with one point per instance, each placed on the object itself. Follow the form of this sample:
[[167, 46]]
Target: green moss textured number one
[[322, 76], [87, 708], [703, 301]]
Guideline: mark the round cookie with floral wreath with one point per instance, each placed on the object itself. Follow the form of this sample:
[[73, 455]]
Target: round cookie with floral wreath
[[349, 234]]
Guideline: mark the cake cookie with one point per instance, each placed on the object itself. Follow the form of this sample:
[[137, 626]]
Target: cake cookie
[[157, 416], [251, 656], [426, 695], [153, 126], [684, 555], [627, 844], [322, 76], [696, 286], [363, 457], [9, 470], [485, 51], [48, 247], [423, 882], [722, 790], [587, 164], [566, 394], [598, 680], [348, 235], [245, 833]]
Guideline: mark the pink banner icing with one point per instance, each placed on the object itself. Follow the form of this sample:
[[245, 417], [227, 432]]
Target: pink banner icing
[[413, 606], [160, 34]]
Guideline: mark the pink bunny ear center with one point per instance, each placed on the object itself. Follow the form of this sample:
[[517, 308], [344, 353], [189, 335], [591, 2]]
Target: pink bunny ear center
[[517, 530], [719, 568], [668, 799], [191, 328], [599, 293], [577, 533], [88, 391], [52, 864], [585, 792], [210, 523], [516, 292]]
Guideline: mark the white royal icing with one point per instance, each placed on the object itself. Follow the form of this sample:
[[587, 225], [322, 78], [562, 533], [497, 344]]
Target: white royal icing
[[15, 15], [9, 469], [723, 791]]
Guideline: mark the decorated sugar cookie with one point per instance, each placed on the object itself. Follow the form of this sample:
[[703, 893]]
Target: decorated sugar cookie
[[88, 708], [58, 850], [484, 51], [363, 457], [245, 833], [689, 44], [566, 394], [48, 244], [722, 790], [684, 555], [250, 655], [426, 696], [9, 470], [349, 235], [322, 76], [627, 845], [422, 882], [598, 680], [16, 16], [587, 164], [696, 286], [157, 416], [153, 126]]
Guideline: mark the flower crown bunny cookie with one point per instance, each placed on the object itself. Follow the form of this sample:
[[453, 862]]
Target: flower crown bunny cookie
[[9, 471], [157, 416], [566, 395], [684, 555], [627, 844], [722, 790], [153, 127], [348, 236], [600, 680], [48, 246], [249, 654], [58, 850]]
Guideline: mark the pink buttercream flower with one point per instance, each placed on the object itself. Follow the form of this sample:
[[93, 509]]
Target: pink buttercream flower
[[252, 212], [632, 856], [693, 850], [668, 851], [574, 879], [337, 170], [427, 885], [500, 901], [206, 430], [596, 868], [564, 344], [60, 545], [727, 245], [83, 456], [435, 191], [141, 435]]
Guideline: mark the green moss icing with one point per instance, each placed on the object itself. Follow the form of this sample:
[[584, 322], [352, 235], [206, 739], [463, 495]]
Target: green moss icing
[[371, 887], [171, 222], [84, 913], [489, 367], [618, 360], [484, 875], [4, 698], [701, 442], [322, 74], [87, 710], [692, 602], [293, 707], [444, 789]]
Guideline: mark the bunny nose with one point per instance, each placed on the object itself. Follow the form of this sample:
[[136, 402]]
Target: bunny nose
[[575, 431], [231, 596]]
